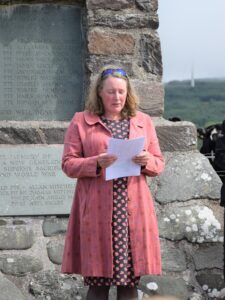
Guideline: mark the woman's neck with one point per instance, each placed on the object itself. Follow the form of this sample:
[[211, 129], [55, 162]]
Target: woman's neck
[[112, 117]]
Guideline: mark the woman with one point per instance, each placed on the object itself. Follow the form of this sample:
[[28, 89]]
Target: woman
[[112, 236]]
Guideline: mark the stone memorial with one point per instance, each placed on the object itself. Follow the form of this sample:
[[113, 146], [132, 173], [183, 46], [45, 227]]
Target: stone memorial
[[41, 67], [32, 182]]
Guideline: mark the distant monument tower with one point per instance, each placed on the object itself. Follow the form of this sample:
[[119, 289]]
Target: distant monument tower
[[192, 76]]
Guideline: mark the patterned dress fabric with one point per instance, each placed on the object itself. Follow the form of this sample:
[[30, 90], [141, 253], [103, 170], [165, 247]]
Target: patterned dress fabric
[[123, 273]]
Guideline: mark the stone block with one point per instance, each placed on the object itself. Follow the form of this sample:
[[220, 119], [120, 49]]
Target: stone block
[[147, 5], [187, 175], [55, 251], [102, 42], [196, 223], [209, 257], [150, 54], [164, 286], [173, 259], [54, 285], [53, 226], [122, 21], [175, 136], [16, 237], [151, 94], [18, 265], [212, 284], [32, 132], [32, 182], [41, 74], [172, 136], [94, 63], [108, 4], [9, 290]]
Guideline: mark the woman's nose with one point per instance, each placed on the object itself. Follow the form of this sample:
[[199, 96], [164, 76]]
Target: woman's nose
[[117, 95]]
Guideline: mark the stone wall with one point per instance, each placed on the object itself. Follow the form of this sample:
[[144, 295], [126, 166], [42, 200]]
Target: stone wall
[[186, 194]]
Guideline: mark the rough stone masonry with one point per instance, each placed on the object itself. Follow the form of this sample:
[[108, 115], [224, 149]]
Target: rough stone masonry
[[186, 194]]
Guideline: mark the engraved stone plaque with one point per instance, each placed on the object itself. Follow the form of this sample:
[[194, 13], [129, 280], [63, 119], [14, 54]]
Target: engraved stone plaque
[[32, 182], [41, 71]]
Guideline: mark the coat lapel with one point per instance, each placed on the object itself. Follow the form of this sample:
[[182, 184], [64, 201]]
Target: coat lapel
[[136, 127]]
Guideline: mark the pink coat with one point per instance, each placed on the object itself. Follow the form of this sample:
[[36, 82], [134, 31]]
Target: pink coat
[[88, 244]]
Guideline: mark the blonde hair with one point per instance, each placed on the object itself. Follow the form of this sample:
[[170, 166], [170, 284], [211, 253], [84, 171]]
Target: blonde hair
[[94, 103]]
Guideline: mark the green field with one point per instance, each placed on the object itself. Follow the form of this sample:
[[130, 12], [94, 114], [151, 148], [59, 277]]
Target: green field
[[203, 104]]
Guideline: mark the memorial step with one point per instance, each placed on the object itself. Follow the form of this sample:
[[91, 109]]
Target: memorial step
[[173, 136]]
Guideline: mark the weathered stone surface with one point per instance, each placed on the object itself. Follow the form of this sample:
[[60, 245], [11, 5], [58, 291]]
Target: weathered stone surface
[[18, 222], [165, 285], [187, 176], [52, 226], [150, 53], [175, 136], [10, 2], [122, 21], [212, 285], [41, 74], [18, 265], [53, 285], [197, 224], [209, 257], [94, 63], [108, 42], [147, 5], [8, 290], [151, 95], [108, 4], [14, 133], [2, 222], [16, 237], [173, 259], [55, 251]]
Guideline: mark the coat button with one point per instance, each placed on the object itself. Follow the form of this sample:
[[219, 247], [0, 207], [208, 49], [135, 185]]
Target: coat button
[[129, 213]]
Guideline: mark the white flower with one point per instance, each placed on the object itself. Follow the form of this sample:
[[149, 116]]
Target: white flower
[[153, 286]]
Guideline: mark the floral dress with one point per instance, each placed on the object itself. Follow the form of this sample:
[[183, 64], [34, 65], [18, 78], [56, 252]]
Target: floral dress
[[123, 273]]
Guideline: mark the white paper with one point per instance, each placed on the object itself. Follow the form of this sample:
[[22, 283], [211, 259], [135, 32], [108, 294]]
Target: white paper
[[125, 150]]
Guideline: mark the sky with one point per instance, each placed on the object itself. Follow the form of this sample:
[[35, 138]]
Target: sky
[[192, 35]]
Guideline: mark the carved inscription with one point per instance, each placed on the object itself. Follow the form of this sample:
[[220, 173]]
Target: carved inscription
[[40, 76], [32, 182]]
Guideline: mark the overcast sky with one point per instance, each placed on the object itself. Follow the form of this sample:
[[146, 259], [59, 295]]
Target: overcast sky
[[192, 32]]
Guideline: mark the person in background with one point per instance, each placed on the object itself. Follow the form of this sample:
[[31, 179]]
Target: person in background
[[219, 163], [112, 236]]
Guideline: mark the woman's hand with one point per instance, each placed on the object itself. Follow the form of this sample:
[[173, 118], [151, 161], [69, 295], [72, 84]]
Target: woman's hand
[[104, 160], [142, 158]]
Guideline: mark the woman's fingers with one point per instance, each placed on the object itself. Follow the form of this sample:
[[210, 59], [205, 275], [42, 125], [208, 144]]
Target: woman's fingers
[[105, 160], [142, 158]]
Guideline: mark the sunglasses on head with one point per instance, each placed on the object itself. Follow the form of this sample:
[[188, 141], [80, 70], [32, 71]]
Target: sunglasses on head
[[120, 72]]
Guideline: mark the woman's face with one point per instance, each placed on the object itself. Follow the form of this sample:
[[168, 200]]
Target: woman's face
[[113, 95]]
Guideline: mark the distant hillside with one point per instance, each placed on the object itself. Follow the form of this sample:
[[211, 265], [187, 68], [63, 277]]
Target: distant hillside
[[203, 105]]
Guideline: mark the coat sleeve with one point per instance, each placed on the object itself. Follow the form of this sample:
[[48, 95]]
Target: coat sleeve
[[74, 164], [156, 163]]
